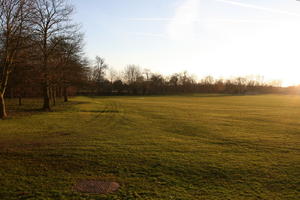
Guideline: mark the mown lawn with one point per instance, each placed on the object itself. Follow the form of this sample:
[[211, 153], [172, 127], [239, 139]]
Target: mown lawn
[[175, 147]]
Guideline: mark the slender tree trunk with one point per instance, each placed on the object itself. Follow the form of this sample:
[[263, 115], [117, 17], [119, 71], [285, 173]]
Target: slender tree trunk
[[3, 86], [46, 85], [3, 114], [54, 96], [20, 100], [58, 92], [66, 99], [46, 105], [50, 93]]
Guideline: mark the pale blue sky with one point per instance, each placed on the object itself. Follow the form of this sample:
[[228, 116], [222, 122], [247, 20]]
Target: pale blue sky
[[222, 38]]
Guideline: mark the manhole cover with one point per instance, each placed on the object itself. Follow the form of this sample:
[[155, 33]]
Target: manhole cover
[[96, 187]]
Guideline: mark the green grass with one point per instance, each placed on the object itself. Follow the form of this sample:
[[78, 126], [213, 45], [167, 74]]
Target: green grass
[[175, 147]]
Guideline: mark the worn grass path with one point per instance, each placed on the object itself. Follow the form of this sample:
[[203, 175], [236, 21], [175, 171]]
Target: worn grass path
[[176, 147]]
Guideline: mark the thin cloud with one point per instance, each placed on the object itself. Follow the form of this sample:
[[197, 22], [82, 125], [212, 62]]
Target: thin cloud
[[150, 19], [175, 19], [237, 21], [199, 20], [185, 22], [157, 35], [271, 10]]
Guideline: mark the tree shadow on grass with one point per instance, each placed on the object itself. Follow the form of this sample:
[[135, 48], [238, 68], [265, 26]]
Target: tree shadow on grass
[[33, 106], [100, 111]]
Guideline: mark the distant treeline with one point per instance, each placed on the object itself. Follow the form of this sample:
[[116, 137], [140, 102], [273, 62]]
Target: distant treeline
[[133, 80]]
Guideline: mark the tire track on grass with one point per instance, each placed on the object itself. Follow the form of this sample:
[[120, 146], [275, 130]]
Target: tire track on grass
[[106, 117]]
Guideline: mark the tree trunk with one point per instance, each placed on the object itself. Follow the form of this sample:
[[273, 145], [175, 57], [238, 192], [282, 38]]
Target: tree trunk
[[3, 87], [58, 92], [20, 100], [3, 114], [54, 96], [66, 94], [46, 105]]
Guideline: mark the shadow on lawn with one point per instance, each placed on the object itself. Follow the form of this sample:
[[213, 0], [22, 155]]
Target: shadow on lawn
[[100, 111], [31, 107]]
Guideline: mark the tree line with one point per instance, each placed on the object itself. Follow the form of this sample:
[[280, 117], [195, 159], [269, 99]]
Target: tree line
[[133, 80], [40, 50]]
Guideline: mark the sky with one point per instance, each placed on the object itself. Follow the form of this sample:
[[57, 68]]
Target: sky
[[221, 38]]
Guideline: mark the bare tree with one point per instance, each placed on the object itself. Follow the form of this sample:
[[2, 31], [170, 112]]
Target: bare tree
[[13, 19], [99, 72], [134, 78], [132, 73], [67, 61], [51, 19], [174, 82], [147, 73], [113, 75], [99, 69]]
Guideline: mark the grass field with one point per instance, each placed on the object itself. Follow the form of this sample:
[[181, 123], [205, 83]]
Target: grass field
[[175, 147]]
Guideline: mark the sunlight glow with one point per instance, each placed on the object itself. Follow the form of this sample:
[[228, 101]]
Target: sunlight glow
[[184, 22]]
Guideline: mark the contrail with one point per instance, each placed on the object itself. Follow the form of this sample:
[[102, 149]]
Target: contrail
[[246, 5], [199, 20]]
